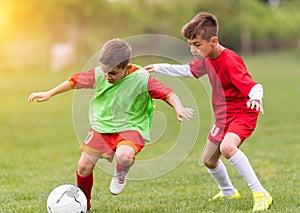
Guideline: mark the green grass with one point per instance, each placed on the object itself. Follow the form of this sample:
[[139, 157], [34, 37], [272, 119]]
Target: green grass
[[39, 148]]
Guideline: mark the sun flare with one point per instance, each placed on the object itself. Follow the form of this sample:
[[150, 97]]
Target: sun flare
[[3, 19]]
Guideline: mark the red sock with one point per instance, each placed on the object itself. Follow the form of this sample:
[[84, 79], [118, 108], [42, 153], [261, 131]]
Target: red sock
[[85, 183]]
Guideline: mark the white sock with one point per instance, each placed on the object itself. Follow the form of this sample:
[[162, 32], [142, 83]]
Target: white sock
[[242, 165], [220, 175]]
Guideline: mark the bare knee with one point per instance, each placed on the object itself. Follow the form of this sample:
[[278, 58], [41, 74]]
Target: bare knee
[[86, 165], [228, 150], [85, 169], [125, 159], [230, 144], [125, 155], [211, 155], [210, 163]]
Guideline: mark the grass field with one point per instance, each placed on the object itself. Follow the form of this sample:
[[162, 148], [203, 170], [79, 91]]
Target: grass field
[[39, 148]]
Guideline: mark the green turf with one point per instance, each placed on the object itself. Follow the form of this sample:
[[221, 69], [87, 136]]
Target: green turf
[[39, 148]]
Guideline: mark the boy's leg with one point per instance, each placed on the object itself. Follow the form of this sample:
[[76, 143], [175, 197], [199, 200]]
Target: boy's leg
[[84, 175], [218, 171], [125, 157], [129, 144], [229, 146]]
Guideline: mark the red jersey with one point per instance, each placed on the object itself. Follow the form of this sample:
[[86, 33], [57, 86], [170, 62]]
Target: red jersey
[[156, 89], [231, 83]]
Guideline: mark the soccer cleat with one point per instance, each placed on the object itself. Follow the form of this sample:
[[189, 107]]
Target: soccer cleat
[[118, 182], [262, 201], [220, 196]]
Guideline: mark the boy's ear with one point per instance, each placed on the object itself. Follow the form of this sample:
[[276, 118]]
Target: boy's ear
[[214, 40]]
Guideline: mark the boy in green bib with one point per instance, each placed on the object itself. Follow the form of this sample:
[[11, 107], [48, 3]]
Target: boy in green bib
[[120, 112]]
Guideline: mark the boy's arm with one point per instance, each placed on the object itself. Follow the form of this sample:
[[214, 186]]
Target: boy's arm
[[77, 81], [170, 69], [158, 90], [44, 96]]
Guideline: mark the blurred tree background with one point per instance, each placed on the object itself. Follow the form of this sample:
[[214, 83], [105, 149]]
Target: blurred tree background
[[29, 29]]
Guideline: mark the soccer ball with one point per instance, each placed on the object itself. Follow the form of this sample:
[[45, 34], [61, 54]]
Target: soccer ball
[[66, 198]]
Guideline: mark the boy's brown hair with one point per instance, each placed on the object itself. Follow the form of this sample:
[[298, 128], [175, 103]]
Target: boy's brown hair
[[203, 24], [115, 53]]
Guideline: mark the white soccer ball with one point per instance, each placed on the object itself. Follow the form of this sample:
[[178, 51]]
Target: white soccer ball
[[66, 198]]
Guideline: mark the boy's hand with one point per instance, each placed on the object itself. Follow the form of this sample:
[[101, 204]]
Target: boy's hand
[[255, 104], [181, 111], [186, 113], [149, 68], [40, 96]]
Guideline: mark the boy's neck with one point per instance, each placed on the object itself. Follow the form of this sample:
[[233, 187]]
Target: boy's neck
[[218, 50]]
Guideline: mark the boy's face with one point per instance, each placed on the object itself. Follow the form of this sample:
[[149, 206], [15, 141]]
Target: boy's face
[[201, 47], [113, 75]]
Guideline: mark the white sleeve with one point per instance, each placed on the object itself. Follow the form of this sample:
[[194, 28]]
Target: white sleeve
[[173, 70], [256, 93]]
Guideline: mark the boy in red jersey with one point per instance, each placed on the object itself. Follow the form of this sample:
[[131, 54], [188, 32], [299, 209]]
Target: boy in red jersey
[[236, 102], [120, 112]]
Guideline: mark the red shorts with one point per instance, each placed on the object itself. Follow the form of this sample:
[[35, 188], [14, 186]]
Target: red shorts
[[243, 125], [104, 145]]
